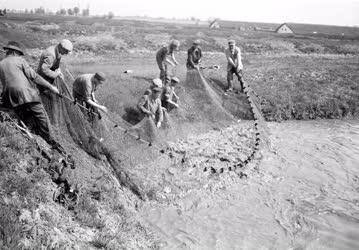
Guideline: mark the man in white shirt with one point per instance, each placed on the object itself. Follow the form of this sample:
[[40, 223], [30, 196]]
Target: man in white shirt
[[234, 66]]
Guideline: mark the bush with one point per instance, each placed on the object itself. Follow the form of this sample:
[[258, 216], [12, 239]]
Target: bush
[[99, 43], [311, 48]]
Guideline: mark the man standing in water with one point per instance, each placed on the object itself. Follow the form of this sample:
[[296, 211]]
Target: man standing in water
[[19, 94], [234, 66], [166, 56], [194, 55]]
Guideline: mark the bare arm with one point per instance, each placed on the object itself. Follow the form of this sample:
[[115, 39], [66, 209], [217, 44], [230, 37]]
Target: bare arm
[[160, 113], [141, 105], [96, 105], [229, 59]]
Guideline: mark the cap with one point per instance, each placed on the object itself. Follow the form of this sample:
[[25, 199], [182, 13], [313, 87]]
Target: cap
[[14, 46], [157, 83], [175, 79], [156, 89], [100, 76], [231, 41], [66, 44], [175, 43], [197, 42]]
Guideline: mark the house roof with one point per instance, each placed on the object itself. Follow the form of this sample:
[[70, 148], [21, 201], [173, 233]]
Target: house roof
[[283, 24]]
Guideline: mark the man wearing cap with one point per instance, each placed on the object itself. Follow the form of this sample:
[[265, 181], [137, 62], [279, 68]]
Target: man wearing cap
[[19, 94], [169, 98], [150, 106], [49, 66], [156, 83], [234, 66], [166, 56], [194, 55], [84, 88]]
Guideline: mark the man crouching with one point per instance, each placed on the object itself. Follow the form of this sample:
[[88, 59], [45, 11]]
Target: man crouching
[[150, 106]]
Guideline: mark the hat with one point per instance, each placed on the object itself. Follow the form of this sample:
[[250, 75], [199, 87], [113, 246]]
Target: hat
[[156, 89], [197, 42], [175, 43], [67, 45], [100, 76], [157, 83], [14, 46], [231, 41], [175, 79]]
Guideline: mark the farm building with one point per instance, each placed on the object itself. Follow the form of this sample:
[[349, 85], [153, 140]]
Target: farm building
[[284, 29], [214, 24]]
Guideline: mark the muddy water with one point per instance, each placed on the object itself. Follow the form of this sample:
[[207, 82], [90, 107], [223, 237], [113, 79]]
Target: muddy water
[[303, 194]]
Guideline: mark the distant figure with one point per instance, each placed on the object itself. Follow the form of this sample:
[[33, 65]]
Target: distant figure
[[19, 93], [166, 56], [156, 83], [234, 66], [169, 98], [84, 88], [194, 55], [49, 65], [150, 106]]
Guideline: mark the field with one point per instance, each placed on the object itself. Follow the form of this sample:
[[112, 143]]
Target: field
[[298, 76]]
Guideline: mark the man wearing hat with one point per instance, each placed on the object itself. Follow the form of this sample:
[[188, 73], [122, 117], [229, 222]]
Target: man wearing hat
[[166, 56], [49, 69], [234, 66], [49, 65], [150, 106], [19, 94], [169, 98], [194, 55], [84, 88], [156, 83]]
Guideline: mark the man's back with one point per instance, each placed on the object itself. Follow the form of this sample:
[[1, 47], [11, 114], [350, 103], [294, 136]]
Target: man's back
[[82, 87], [17, 89]]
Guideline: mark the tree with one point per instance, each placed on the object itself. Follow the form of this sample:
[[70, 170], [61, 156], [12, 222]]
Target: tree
[[85, 12], [70, 12], [63, 12], [40, 10], [110, 15], [76, 10]]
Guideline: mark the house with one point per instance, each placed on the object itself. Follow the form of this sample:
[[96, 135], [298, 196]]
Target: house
[[214, 24], [284, 29]]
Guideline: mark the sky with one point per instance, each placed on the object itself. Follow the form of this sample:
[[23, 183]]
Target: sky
[[333, 12]]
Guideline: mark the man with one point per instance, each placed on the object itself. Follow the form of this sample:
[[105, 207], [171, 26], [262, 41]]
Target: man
[[150, 106], [194, 55], [49, 69], [84, 88], [49, 66], [19, 94], [234, 66], [169, 98], [166, 56]]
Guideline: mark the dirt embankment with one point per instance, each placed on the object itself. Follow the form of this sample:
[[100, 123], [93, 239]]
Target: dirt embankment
[[103, 215]]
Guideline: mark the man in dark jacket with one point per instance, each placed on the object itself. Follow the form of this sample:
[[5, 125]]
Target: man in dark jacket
[[194, 55], [19, 93]]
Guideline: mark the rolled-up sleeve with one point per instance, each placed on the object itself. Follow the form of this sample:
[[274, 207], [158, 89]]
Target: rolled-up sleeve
[[46, 64]]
